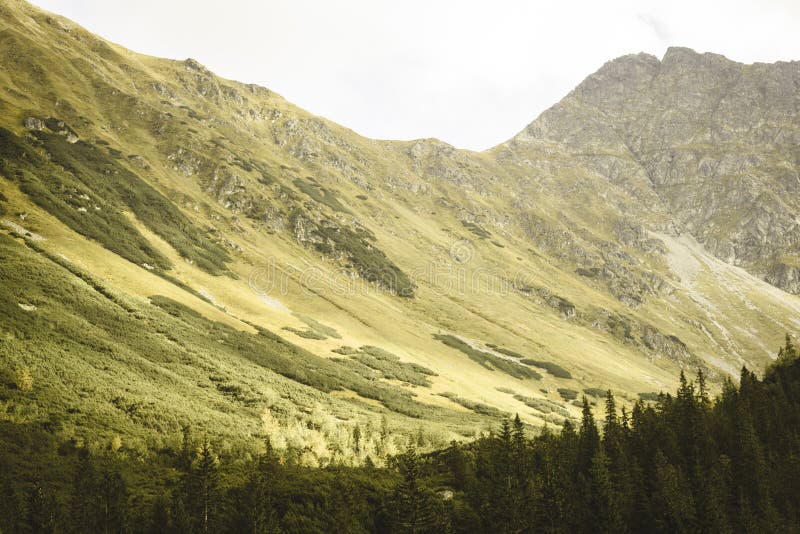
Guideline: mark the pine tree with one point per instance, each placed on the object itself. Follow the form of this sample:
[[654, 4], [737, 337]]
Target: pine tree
[[180, 520], [673, 498], [588, 438], [159, 516], [383, 437], [702, 390], [414, 512], [259, 497], [203, 488], [357, 440], [518, 441]]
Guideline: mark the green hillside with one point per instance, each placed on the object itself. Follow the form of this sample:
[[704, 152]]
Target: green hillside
[[180, 249]]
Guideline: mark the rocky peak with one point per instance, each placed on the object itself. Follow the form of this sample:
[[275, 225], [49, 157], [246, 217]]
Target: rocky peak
[[710, 135]]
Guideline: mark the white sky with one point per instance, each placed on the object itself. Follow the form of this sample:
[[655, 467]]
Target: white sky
[[470, 73]]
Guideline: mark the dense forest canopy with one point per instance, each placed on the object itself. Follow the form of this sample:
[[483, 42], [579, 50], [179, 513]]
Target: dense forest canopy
[[685, 463]]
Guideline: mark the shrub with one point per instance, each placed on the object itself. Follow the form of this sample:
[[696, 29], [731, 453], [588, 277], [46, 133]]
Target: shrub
[[552, 368], [595, 392], [487, 360], [477, 407], [23, 379], [568, 394]]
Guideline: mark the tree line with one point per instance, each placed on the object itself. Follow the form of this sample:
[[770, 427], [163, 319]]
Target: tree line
[[685, 463]]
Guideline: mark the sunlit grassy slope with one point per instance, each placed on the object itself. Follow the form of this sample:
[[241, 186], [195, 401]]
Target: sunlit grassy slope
[[208, 254]]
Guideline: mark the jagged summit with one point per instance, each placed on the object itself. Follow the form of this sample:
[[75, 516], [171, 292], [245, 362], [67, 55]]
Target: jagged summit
[[713, 138]]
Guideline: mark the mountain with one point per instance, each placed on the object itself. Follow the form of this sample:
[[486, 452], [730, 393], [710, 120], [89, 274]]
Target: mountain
[[180, 249], [708, 141]]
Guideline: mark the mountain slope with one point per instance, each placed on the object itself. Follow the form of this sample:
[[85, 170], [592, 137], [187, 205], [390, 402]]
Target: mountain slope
[[409, 280]]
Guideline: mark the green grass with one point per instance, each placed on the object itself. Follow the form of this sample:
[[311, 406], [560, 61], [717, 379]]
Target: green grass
[[487, 360]]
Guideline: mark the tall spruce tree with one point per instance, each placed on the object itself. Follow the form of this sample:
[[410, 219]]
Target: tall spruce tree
[[203, 489], [413, 503]]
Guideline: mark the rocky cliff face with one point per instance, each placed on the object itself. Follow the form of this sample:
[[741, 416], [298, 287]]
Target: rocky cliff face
[[708, 140]]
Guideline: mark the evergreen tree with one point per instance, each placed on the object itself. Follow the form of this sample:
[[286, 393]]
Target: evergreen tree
[[414, 510], [159, 516], [588, 438], [258, 501], [357, 440], [203, 495]]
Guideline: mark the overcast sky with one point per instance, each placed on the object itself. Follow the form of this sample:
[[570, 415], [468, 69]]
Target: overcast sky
[[470, 73]]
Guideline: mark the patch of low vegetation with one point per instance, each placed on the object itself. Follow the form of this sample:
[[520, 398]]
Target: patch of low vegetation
[[320, 194], [306, 334], [596, 392], [544, 406], [568, 394], [69, 200], [315, 330], [507, 391], [367, 372], [487, 360], [649, 396], [319, 327], [476, 229], [552, 368], [507, 352], [363, 256], [388, 365], [475, 406]]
